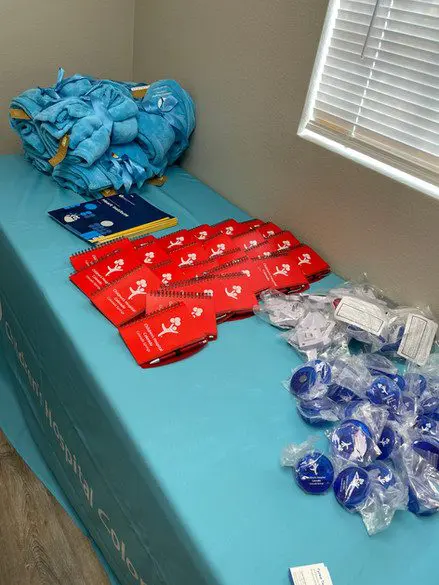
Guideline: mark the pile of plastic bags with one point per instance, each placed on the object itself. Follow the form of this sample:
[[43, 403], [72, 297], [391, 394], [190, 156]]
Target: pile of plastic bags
[[95, 135], [372, 380]]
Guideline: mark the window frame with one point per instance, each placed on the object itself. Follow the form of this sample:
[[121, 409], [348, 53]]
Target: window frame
[[322, 138]]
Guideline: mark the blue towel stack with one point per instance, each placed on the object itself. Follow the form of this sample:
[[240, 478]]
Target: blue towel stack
[[93, 135]]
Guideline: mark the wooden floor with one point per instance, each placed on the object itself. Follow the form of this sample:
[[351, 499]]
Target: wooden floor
[[39, 543]]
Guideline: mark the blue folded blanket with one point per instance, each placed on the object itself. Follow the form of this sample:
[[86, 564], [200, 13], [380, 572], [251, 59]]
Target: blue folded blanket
[[93, 134]]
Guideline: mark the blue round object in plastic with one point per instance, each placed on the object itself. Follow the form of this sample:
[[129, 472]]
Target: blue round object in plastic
[[428, 449], [429, 405], [416, 383], [341, 394], [384, 391], [384, 475], [386, 443], [409, 403], [312, 411], [352, 487], [399, 380], [350, 408], [305, 377], [352, 440], [417, 507], [427, 425], [303, 380], [314, 473]]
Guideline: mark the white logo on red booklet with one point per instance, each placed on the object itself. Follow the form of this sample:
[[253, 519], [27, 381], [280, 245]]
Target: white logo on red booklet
[[220, 249], [283, 270], [208, 292], [229, 230], [246, 273], [305, 259], [174, 324], [251, 244], [178, 242], [234, 293], [166, 278], [189, 260], [140, 290], [117, 267], [270, 233], [197, 312], [149, 257], [286, 244], [201, 235]]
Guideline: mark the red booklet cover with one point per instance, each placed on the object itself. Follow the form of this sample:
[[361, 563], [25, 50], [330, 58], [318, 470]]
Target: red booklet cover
[[229, 256], [164, 336], [281, 272], [233, 293], [167, 271], [177, 240], [252, 224], [219, 245], [187, 256], [230, 227], [201, 306], [269, 229], [248, 268], [204, 232], [107, 270], [311, 264], [124, 299], [153, 253], [143, 241], [248, 239], [199, 268], [84, 258], [280, 242]]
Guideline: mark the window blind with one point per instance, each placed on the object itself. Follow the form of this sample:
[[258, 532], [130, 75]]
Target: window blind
[[377, 82]]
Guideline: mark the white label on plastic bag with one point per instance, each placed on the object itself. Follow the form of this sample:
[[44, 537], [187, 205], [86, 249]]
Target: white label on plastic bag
[[417, 339], [362, 314], [311, 575]]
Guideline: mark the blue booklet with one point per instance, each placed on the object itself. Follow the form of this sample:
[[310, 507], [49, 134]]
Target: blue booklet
[[108, 218]]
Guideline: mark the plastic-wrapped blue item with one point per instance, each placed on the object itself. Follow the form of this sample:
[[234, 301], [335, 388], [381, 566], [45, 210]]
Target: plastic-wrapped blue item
[[385, 392], [376, 493], [310, 380], [355, 439], [318, 411], [421, 478], [313, 471], [387, 442], [415, 383]]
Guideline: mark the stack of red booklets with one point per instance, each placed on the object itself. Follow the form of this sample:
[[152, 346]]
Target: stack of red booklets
[[167, 295]]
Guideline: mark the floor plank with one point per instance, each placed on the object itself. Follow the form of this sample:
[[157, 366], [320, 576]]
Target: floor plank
[[39, 543]]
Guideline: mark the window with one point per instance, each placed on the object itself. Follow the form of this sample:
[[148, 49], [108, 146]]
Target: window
[[374, 92]]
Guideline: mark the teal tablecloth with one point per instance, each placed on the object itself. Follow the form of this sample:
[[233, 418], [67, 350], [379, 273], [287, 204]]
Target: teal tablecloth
[[174, 471]]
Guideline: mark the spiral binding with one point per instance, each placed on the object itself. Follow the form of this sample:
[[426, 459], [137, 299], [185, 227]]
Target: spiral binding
[[205, 277], [113, 253], [153, 314], [230, 264], [97, 247], [165, 292]]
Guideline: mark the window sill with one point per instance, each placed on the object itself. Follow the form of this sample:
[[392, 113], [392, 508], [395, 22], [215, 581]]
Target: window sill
[[371, 163]]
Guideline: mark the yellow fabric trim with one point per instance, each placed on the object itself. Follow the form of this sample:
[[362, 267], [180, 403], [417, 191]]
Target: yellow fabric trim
[[17, 114], [61, 152], [108, 192], [158, 181], [139, 92]]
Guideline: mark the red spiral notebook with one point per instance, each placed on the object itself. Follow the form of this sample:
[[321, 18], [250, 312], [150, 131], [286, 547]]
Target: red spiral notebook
[[201, 307], [311, 264], [124, 299], [110, 268], [85, 258], [164, 336], [233, 294], [279, 242]]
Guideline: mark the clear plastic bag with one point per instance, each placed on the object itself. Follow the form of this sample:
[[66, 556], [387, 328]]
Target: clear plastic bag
[[376, 492], [281, 310], [313, 471], [355, 440], [314, 333], [310, 380]]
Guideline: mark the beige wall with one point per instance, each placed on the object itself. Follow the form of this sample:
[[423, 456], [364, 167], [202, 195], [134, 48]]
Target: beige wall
[[248, 64], [37, 36]]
